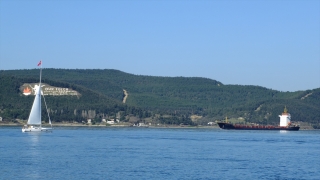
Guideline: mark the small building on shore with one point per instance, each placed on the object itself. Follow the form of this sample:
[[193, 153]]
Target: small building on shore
[[110, 122]]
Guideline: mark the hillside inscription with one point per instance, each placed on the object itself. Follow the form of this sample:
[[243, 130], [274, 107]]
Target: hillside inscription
[[29, 89]]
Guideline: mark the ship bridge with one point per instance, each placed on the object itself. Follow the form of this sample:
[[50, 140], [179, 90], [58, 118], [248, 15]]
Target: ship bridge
[[285, 118]]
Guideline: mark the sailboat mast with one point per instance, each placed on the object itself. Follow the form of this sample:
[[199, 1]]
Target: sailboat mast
[[40, 63], [40, 72]]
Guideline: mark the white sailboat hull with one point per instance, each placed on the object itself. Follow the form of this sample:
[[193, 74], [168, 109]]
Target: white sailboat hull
[[35, 129]]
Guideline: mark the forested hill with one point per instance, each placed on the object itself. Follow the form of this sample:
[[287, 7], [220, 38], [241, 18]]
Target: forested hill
[[90, 104], [185, 96]]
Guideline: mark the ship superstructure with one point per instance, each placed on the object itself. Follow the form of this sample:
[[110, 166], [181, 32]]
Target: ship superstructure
[[285, 118]]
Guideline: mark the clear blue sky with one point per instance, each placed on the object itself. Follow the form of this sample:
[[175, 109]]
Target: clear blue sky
[[274, 44]]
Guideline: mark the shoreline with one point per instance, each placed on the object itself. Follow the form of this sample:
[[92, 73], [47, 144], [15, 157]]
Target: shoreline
[[111, 126], [125, 126]]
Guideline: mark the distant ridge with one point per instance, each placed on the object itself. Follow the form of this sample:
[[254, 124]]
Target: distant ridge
[[185, 96]]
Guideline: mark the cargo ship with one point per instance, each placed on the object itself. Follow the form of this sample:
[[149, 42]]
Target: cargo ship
[[285, 124]]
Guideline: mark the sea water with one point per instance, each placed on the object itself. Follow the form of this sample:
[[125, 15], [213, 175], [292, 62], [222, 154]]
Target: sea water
[[158, 153]]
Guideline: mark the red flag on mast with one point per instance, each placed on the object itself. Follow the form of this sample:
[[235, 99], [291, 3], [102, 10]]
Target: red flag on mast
[[39, 63]]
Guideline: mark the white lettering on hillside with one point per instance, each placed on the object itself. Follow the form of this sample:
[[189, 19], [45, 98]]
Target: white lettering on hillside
[[28, 89]]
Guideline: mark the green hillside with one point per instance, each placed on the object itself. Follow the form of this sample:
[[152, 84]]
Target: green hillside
[[177, 98], [14, 105]]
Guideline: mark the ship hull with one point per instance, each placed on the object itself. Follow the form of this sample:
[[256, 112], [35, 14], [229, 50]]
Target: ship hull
[[227, 126]]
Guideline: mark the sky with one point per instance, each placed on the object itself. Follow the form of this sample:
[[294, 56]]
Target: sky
[[268, 43]]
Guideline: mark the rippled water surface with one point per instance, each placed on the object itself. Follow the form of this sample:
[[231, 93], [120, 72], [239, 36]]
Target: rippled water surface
[[147, 153]]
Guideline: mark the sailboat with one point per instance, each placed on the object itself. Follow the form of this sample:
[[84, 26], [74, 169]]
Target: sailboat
[[34, 121]]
